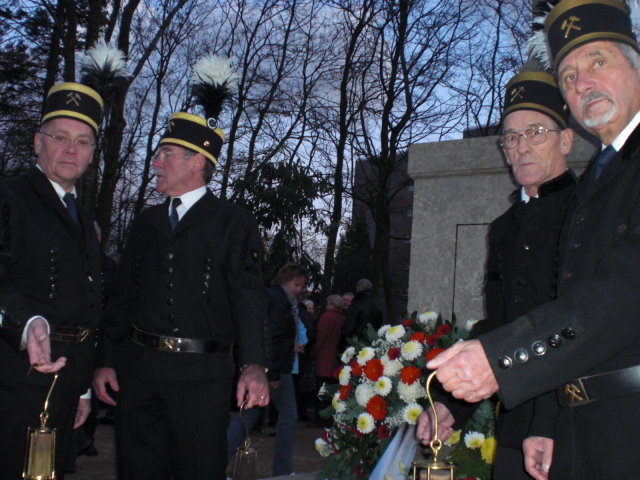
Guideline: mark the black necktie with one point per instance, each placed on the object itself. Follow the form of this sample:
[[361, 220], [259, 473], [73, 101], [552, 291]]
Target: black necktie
[[72, 208], [602, 159], [173, 216]]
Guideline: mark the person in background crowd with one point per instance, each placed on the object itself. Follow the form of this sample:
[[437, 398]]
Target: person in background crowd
[[347, 298], [325, 350], [305, 380], [362, 312]]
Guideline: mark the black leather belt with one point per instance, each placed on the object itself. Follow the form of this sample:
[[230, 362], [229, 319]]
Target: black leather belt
[[166, 343], [584, 390], [70, 334]]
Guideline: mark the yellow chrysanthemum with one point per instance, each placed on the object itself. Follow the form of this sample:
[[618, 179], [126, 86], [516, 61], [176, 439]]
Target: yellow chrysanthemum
[[454, 438], [411, 350], [411, 413], [488, 450], [383, 386], [322, 447], [366, 354], [395, 333], [337, 405], [344, 376]]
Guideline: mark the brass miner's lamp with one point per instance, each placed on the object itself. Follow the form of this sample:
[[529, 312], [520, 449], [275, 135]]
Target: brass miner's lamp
[[39, 462], [437, 470], [246, 459]]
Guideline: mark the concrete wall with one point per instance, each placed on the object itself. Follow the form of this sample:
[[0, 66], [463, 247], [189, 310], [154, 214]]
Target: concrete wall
[[460, 187]]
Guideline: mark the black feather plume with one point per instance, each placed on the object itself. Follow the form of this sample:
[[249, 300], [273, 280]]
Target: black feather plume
[[213, 82], [105, 70]]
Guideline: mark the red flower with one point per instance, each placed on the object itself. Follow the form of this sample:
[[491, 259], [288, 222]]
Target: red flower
[[336, 372], [356, 368], [433, 353], [407, 322], [418, 337], [443, 329], [410, 374], [384, 431], [377, 407], [358, 471], [393, 354], [432, 339], [345, 390], [373, 369]]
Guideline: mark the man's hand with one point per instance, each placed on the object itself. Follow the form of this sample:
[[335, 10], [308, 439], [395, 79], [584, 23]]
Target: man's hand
[[253, 387], [538, 452], [101, 378], [39, 348], [84, 407], [464, 371], [425, 430]]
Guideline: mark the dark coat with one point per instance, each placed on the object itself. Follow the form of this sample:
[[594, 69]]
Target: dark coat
[[591, 328], [48, 267], [282, 327], [363, 310], [202, 280], [521, 274]]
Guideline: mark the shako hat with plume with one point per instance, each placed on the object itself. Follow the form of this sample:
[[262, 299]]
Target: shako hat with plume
[[213, 81]]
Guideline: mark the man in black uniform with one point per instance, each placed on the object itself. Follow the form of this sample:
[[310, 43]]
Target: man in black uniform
[[584, 344], [523, 242], [188, 287], [50, 295]]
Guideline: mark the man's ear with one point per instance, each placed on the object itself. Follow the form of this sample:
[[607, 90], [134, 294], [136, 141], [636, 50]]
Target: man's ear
[[566, 140], [37, 142]]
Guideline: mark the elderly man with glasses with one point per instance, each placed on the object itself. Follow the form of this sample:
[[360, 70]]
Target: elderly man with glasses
[[521, 267]]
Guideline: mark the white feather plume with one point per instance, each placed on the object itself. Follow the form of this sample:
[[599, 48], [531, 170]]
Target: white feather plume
[[634, 14], [215, 71], [102, 57]]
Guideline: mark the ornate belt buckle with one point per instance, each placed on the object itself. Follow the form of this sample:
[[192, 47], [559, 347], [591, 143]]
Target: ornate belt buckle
[[83, 334], [575, 393], [168, 344]]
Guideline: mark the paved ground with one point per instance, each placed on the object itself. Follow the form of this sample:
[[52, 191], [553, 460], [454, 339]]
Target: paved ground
[[306, 459]]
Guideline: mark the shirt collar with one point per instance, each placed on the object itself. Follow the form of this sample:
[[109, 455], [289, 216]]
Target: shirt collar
[[189, 199], [624, 134], [58, 188]]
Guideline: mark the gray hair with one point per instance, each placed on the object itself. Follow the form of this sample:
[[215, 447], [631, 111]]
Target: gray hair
[[630, 53], [363, 284], [335, 300]]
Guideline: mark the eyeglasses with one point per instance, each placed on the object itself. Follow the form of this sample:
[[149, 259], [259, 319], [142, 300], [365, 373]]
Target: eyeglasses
[[168, 154], [61, 139], [534, 136]]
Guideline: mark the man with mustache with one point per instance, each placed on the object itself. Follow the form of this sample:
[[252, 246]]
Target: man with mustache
[[581, 352], [188, 292]]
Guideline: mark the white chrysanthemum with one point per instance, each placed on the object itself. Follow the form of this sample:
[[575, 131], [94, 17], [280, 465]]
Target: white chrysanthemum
[[382, 330], [411, 413], [395, 333], [323, 390], [473, 439], [338, 405], [428, 319], [391, 368], [470, 323], [366, 354], [363, 394], [347, 355], [344, 376], [409, 393], [322, 447], [383, 386], [411, 350], [366, 423]]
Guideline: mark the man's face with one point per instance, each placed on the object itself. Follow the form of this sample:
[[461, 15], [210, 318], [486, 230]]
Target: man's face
[[601, 88], [296, 285], [176, 173], [64, 148], [346, 300], [534, 165]]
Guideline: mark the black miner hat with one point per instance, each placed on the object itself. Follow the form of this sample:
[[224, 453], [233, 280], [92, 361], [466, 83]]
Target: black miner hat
[[536, 91]]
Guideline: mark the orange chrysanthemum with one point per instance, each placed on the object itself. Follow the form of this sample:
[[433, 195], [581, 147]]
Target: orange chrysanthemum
[[377, 407], [418, 337], [356, 368], [373, 369], [344, 391], [433, 353], [409, 374]]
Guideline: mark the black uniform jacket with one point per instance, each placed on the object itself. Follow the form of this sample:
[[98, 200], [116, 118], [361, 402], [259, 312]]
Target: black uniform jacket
[[48, 267], [521, 274], [282, 326], [202, 280], [593, 325]]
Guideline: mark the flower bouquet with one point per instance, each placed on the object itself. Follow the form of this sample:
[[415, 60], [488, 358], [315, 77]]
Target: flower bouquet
[[381, 386]]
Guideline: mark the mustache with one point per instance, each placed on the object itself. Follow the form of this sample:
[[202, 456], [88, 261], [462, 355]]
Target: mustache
[[158, 171], [590, 97]]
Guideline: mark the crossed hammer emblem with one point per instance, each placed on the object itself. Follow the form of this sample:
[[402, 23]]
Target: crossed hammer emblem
[[516, 93], [75, 98], [570, 24], [574, 393]]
